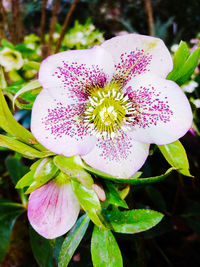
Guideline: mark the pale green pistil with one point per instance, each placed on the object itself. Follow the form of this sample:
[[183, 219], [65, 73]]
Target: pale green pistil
[[108, 113]]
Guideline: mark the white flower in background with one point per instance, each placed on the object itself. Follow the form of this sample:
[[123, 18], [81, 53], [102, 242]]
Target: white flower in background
[[189, 87], [174, 48], [11, 59], [196, 102]]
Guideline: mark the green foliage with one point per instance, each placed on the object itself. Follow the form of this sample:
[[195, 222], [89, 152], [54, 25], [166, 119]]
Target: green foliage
[[113, 196], [71, 166], [89, 202], [9, 212], [132, 221], [176, 156], [42, 250], [72, 241], [184, 64], [104, 249], [45, 171]]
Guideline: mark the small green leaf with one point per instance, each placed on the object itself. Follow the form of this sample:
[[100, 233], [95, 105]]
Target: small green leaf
[[113, 196], [6, 43], [72, 241], [184, 64], [33, 85], [26, 150], [176, 156], [89, 202], [44, 173], [42, 250], [71, 168], [132, 221], [104, 249], [9, 212], [28, 178], [31, 65], [189, 67], [180, 57]]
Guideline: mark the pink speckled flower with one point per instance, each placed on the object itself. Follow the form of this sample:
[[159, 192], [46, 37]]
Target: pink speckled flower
[[53, 209], [109, 103]]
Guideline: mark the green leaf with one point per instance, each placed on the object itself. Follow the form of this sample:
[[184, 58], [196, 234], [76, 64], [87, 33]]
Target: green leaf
[[44, 173], [26, 150], [132, 221], [89, 202], [42, 250], [113, 196], [31, 65], [180, 57], [189, 67], [11, 126], [9, 212], [16, 170], [73, 169], [184, 64], [28, 178], [104, 249], [3, 82], [176, 156], [33, 85], [8, 44], [72, 241]]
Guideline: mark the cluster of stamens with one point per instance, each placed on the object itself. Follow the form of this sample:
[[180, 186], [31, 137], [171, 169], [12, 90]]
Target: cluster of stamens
[[109, 112]]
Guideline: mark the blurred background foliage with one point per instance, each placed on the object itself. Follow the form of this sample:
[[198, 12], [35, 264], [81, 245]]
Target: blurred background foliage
[[176, 240]]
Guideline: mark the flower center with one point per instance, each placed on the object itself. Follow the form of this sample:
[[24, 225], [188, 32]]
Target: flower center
[[108, 113]]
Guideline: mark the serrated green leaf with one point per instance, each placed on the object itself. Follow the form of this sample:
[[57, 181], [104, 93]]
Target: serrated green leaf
[[176, 156], [180, 57], [26, 150], [113, 196], [71, 168], [104, 249], [9, 212], [44, 173], [72, 241], [89, 202], [132, 221], [33, 85], [42, 250]]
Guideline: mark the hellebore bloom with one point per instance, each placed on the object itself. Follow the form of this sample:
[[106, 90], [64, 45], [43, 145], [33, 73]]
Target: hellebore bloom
[[11, 59], [53, 209], [109, 103]]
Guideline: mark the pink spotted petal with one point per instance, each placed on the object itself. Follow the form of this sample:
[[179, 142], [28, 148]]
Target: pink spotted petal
[[121, 157], [136, 54], [71, 73], [53, 209], [163, 113], [57, 124]]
